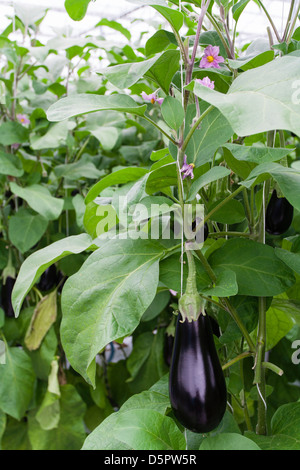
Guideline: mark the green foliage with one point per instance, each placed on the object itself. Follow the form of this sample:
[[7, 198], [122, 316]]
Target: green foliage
[[95, 163]]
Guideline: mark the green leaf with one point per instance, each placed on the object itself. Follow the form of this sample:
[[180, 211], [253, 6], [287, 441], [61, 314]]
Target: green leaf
[[292, 260], [77, 9], [159, 42], [258, 270], [125, 175], [84, 168], [257, 154], [211, 175], [34, 266], [232, 213], [228, 441], [89, 103], [214, 131], [13, 133], [238, 9], [269, 98], [285, 433], [125, 75], [116, 26], [173, 112], [164, 69], [54, 137], [70, 432], [103, 437], [42, 319], [39, 199], [17, 383], [2, 425], [252, 61], [99, 303], [162, 178], [10, 164], [148, 430], [288, 180], [25, 229]]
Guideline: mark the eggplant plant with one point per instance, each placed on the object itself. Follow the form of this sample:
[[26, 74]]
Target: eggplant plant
[[149, 183]]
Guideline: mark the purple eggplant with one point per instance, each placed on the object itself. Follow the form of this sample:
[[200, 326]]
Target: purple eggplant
[[279, 215], [197, 385]]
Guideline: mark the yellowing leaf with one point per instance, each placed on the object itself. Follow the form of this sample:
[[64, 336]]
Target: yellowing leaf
[[42, 319]]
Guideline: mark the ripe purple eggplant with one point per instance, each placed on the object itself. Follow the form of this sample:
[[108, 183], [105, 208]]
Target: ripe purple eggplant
[[48, 279], [197, 385], [6, 297], [279, 215]]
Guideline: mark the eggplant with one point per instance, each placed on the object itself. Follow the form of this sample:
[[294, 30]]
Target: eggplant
[[168, 349], [48, 279], [197, 385], [205, 229], [6, 297], [279, 215]]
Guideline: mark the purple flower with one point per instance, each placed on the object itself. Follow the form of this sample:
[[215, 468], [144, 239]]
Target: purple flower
[[152, 98], [23, 119], [206, 82], [211, 58], [187, 169]]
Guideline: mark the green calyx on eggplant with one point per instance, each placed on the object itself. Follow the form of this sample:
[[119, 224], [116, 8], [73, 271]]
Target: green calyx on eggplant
[[279, 215], [197, 385]]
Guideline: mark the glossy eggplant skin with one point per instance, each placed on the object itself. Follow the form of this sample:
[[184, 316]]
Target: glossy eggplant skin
[[279, 215], [48, 279], [168, 349], [6, 297], [197, 385]]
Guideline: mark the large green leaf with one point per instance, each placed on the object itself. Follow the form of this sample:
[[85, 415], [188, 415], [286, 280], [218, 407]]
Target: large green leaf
[[39, 199], [77, 8], [13, 133], [89, 103], [215, 173], [260, 99], [148, 430], [104, 436], [10, 164], [26, 228], [34, 266], [257, 154], [106, 299], [214, 131], [17, 383], [159, 68], [285, 430], [125, 175], [288, 180], [228, 441], [258, 272]]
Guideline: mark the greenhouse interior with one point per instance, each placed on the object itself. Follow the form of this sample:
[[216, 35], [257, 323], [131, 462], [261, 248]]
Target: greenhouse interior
[[150, 227]]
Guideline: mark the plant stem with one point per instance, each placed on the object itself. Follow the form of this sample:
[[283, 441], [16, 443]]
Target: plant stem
[[216, 26], [293, 25], [192, 130], [228, 307], [222, 203], [288, 21], [229, 234], [270, 20], [160, 129], [237, 358]]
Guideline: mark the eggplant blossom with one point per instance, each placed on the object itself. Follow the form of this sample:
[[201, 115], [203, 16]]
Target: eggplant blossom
[[153, 98], [23, 119], [211, 58], [206, 82], [187, 169]]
